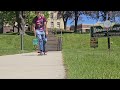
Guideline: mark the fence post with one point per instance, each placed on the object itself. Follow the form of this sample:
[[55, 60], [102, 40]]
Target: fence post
[[61, 41]]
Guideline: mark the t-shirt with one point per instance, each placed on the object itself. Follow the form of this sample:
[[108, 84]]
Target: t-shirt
[[39, 22]]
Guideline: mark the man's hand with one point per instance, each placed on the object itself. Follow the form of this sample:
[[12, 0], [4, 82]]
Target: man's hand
[[35, 35], [33, 27], [46, 32]]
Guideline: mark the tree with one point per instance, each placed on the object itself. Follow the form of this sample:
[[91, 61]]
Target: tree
[[103, 15], [8, 17], [76, 16], [65, 15], [76, 20], [18, 20], [21, 16], [46, 14]]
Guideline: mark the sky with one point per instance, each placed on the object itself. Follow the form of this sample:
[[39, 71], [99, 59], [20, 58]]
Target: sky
[[84, 20]]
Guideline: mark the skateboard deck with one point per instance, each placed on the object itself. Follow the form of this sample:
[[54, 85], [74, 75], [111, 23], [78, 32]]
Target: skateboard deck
[[42, 54]]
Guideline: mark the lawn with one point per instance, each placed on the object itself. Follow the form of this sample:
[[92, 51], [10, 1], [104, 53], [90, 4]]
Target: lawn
[[10, 44], [83, 62]]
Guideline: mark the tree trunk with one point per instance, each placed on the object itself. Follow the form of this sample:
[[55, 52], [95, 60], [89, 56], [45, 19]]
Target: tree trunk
[[65, 23], [18, 20], [1, 25], [76, 20], [22, 20], [13, 28]]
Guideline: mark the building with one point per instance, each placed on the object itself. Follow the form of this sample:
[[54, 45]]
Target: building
[[54, 21], [68, 28], [82, 28]]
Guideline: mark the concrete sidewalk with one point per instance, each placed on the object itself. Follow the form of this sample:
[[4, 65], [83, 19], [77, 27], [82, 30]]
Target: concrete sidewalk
[[32, 66]]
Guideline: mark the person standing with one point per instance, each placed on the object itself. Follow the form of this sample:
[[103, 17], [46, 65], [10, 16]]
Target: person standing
[[40, 30]]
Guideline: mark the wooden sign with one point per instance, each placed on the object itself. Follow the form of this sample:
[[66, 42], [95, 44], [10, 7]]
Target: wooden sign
[[93, 42], [98, 31]]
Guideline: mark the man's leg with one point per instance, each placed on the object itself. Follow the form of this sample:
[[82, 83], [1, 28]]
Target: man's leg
[[40, 42], [42, 33], [44, 42]]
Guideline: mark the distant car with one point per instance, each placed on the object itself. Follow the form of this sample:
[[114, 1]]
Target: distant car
[[26, 26]]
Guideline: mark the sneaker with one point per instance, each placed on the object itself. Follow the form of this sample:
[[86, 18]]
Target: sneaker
[[41, 53], [38, 52], [45, 53]]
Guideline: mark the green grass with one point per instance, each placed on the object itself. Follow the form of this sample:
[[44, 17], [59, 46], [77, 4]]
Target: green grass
[[83, 62], [10, 44]]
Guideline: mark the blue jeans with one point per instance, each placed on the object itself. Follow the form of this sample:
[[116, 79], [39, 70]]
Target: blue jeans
[[41, 39]]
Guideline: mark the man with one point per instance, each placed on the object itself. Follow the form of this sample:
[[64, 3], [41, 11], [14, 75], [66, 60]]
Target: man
[[40, 30]]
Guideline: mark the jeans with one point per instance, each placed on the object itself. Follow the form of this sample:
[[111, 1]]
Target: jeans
[[41, 39]]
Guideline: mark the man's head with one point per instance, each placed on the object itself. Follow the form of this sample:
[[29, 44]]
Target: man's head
[[39, 13]]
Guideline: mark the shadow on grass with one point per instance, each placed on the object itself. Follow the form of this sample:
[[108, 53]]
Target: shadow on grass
[[10, 33], [30, 33], [64, 32]]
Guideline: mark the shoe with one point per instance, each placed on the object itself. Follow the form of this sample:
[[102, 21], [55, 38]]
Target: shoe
[[38, 52], [45, 53], [41, 53]]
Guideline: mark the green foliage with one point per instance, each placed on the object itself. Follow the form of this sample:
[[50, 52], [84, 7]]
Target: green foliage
[[65, 15], [8, 16], [46, 14], [55, 30], [30, 16]]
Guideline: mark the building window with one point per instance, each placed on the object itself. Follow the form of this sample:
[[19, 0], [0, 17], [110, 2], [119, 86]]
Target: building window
[[51, 16], [52, 25], [58, 15], [58, 24], [87, 30]]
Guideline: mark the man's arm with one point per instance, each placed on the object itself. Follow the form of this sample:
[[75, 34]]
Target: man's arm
[[33, 28], [45, 23]]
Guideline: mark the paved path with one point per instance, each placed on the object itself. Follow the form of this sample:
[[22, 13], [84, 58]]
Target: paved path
[[32, 66]]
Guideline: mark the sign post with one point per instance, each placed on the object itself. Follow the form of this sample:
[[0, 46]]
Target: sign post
[[107, 25]]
